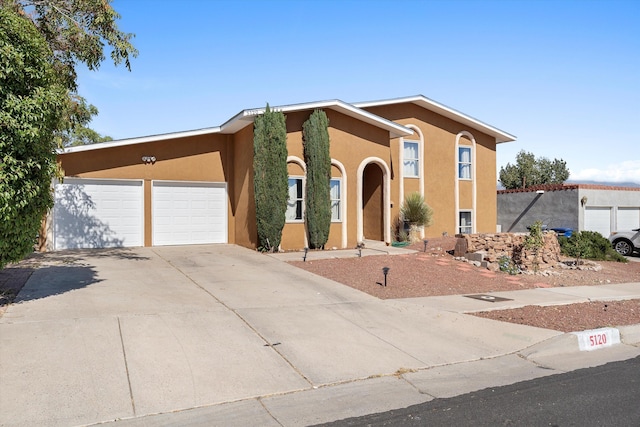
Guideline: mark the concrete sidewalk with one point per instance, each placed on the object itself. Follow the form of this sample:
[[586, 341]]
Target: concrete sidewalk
[[221, 335]]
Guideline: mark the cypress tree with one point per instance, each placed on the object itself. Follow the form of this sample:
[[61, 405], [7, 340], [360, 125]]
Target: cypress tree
[[270, 177], [315, 135]]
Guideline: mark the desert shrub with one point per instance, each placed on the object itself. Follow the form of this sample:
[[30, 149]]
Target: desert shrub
[[399, 232], [534, 242], [507, 265], [415, 211], [589, 245]]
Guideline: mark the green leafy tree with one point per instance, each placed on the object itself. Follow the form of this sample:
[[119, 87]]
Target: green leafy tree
[[270, 177], [76, 32], [32, 103], [530, 171], [42, 42], [315, 133], [79, 133]]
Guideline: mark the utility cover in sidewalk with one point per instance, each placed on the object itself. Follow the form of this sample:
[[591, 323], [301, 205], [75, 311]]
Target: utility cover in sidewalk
[[488, 298]]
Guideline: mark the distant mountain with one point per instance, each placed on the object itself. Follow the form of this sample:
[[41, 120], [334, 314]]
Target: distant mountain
[[614, 184]]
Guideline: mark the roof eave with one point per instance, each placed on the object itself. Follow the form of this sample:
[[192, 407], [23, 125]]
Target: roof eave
[[421, 100], [246, 117], [139, 140]]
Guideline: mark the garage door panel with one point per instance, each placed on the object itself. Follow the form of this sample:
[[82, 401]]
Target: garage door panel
[[598, 219], [189, 213], [628, 218], [90, 213]]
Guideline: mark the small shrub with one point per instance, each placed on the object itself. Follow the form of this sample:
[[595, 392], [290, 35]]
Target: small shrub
[[398, 231], [589, 245], [534, 242], [415, 211], [508, 266]]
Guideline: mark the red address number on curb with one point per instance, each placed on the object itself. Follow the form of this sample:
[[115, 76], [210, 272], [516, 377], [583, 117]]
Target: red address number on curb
[[597, 339]]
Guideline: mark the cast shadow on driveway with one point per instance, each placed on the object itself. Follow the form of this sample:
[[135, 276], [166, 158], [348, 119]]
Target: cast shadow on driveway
[[53, 280], [47, 274]]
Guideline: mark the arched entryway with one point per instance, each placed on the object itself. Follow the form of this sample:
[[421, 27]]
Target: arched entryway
[[373, 200]]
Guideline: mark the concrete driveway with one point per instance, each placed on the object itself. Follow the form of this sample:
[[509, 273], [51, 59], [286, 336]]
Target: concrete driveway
[[115, 334]]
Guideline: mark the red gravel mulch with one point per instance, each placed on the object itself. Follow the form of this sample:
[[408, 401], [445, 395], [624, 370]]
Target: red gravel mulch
[[435, 272]]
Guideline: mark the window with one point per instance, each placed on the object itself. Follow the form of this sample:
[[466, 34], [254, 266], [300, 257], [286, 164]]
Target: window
[[411, 163], [465, 222], [294, 207], [334, 189], [464, 162]]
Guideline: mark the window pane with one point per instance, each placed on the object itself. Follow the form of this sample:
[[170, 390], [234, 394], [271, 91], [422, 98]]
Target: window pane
[[299, 188], [335, 211], [410, 168], [298, 209], [464, 171], [292, 189], [464, 162], [291, 211], [335, 199], [294, 206], [465, 154], [410, 161], [335, 189], [410, 150], [465, 223]]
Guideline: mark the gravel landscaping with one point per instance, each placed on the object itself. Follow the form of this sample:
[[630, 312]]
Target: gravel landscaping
[[435, 272]]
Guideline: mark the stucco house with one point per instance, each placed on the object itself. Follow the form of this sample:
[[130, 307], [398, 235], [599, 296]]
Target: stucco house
[[600, 208], [196, 187]]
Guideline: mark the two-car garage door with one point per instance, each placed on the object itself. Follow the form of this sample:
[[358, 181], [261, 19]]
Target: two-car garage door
[[101, 213]]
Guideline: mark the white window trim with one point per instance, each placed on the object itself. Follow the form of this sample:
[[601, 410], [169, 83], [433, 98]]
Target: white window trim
[[416, 159], [339, 200], [470, 162], [343, 202], [421, 154], [471, 227], [302, 179], [473, 179]]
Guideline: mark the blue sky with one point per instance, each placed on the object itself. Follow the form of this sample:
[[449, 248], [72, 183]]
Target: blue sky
[[563, 76]]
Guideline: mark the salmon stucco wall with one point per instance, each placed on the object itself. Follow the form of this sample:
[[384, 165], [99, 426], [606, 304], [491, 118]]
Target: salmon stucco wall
[[197, 158], [243, 201], [351, 142], [440, 168]]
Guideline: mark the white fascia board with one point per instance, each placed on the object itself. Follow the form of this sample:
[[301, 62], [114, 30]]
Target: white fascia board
[[246, 117], [445, 111], [140, 140]]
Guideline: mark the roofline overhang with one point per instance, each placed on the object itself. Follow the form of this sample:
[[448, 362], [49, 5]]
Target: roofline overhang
[[140, 140], [246, 117], [431, 105]]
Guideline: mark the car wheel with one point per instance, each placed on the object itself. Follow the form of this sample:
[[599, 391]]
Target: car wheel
[[623, 247]]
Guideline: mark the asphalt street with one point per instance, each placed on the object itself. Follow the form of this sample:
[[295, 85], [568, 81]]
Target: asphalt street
[[606, 395]]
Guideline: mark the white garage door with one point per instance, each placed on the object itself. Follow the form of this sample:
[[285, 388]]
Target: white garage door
[[189, 213], [628, 218], [598, 219], [94, 213]]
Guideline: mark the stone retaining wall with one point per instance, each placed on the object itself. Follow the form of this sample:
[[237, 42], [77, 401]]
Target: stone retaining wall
[[493, 246]]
